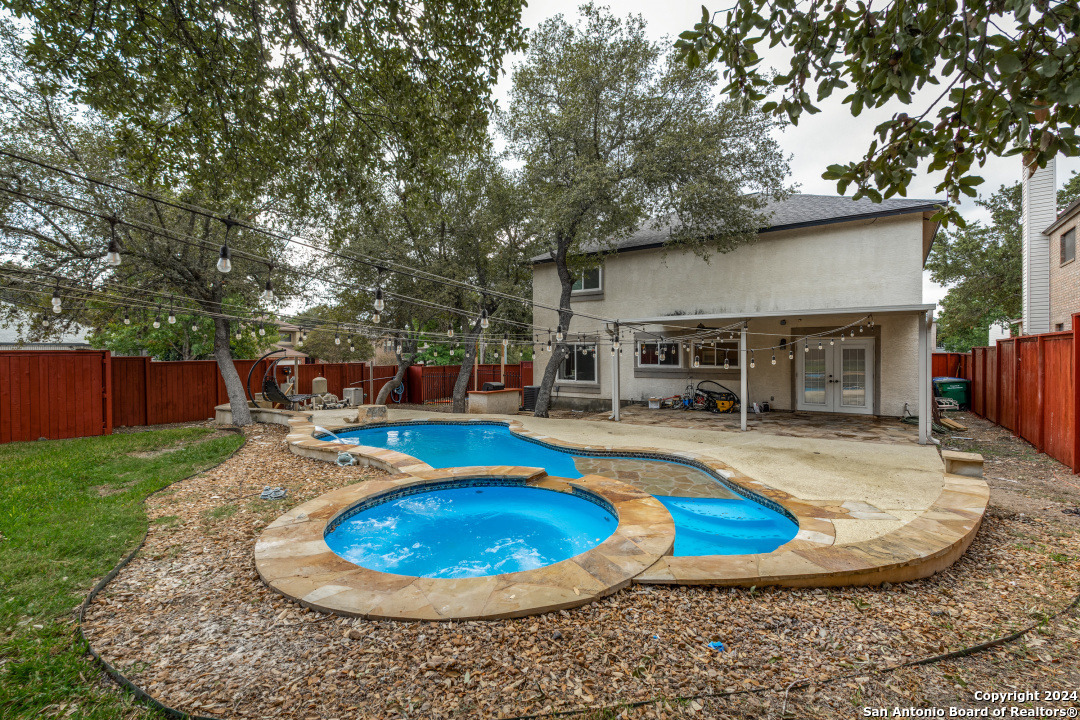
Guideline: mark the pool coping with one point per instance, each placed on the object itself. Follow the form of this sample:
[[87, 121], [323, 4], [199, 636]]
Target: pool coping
[[917, 549], [292, 557]]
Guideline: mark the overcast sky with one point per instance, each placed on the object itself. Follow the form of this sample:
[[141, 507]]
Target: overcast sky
[[831, 136]]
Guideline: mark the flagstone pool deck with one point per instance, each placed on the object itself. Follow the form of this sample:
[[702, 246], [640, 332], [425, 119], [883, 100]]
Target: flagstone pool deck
[[868, 513]]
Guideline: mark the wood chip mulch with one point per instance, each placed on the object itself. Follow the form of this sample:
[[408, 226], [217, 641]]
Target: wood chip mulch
[[190, 622]]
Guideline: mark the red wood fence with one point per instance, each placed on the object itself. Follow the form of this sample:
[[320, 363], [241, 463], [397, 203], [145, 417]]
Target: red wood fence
[[1028, 385], [946, 364], [77, 393]]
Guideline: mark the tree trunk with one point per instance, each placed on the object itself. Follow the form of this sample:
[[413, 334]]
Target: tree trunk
[[461, 385], [233, 384], [559, 350], [404, 362]]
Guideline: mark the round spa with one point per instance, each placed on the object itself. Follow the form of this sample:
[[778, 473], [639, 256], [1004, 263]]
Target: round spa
[[486, 528], [458, 544]]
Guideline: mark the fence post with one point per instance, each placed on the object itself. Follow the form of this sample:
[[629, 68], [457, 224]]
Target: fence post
[[107, 391], [1075, 440], [1040, 394]]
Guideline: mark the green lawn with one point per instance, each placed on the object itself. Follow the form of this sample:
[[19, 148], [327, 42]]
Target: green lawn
[[69, 511]]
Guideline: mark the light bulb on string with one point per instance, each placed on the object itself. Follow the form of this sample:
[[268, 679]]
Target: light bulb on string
[[559, 334], [376, 318], [239, 331], [224, 263], [194, 326], [337, 339], [268, 291], [852, 332], [774, 358], [450, 331], [484, 322], [56, 298], [790, 355], [697, 362], [157, 321], [172, 317], [506, 340], [380, 305], [818, 344], [113, 256], [841, 337], [805, 346], [751, 359], [262, 329], [727, 363], [127, 318], [549, 345]]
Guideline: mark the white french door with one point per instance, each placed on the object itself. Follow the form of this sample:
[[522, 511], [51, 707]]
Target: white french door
[[837, 377]]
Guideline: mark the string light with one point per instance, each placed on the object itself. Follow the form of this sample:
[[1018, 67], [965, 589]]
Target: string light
[[127, 318], [380, 305], [751, 359], [239, 331], [268, 292], [805, 346], [375, 318], [790, 355], [56, 302], [262, 329], [774, 358], [559, 333], [450, 330], [157, 320], [113, 256], [549, 344], [337, 339], [172, 315], [832, 341], [484, 322], [194, 326], [697, 361], [224, 263], [818, 344]]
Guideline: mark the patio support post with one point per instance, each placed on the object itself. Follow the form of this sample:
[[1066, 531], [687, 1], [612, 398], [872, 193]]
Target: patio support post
[[743, 400], [925, 412], [616, 401]]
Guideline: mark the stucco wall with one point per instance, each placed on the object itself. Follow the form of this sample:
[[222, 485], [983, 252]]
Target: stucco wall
[[849, 265]]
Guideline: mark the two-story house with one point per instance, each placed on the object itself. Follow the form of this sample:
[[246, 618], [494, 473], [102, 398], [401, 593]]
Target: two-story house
[[822, 312]]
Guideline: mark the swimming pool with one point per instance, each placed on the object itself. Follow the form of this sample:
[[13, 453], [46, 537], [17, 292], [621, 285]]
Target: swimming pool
[[727, 523], [471, 531]]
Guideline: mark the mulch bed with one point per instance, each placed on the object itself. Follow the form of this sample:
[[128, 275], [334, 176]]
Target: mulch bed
[[190, 622]]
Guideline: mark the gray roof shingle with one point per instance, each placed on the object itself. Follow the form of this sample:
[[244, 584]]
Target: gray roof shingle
[[798, 210]]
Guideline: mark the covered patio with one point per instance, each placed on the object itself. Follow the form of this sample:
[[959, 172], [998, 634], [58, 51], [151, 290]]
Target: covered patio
[[834, 372]]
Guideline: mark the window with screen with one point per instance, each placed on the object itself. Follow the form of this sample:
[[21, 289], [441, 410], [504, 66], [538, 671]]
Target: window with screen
[[589, 281], [658, 354], [1068, 246], [579, 365]]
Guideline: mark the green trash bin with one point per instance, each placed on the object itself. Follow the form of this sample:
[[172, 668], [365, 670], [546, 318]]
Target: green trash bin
[[953, 387]]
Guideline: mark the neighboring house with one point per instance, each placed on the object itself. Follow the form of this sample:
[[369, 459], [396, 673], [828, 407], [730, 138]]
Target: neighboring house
[[1051, 275], [11, 339], [289, 338], [825, 262]]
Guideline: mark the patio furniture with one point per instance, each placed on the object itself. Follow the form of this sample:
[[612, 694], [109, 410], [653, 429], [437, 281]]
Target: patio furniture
[[270, 389]]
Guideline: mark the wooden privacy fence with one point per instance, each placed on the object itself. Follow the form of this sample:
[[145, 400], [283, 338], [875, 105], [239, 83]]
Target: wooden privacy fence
[[1028, 386], [950, 364], [78, 393]]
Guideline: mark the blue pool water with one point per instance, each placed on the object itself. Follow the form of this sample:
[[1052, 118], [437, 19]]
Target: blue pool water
[[471, 531], [703, 526]]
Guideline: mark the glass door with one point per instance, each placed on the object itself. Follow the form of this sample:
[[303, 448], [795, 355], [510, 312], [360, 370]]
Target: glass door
[[837, 377]]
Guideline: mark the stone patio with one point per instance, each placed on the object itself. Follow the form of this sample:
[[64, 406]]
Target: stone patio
[[825, 426]]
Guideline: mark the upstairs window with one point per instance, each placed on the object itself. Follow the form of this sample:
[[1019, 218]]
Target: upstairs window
[[590, 281], [580, 364], [658, 354], [1068, 246]]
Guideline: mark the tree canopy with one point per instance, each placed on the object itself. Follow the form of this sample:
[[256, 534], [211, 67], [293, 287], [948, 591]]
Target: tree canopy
[[613, 133], [1000, 78]]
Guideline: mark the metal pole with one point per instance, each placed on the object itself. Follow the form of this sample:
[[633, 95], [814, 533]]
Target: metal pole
[[743, 400], [924, 382], [616, 353]]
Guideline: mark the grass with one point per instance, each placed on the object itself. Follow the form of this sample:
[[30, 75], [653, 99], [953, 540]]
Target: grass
[[69, 511]]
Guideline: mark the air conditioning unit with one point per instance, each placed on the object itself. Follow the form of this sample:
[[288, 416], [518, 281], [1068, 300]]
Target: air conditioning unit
[[353, 396], [530, 392]]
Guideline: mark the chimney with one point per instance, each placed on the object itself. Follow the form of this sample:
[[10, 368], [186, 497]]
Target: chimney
[[1040, 211]]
